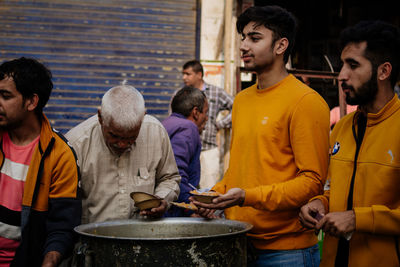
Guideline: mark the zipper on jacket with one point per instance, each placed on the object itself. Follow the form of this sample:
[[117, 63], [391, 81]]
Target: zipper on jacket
[[342, 256], [358, 137], [396, 240], [1, 149], [40, 171], [24, 221]]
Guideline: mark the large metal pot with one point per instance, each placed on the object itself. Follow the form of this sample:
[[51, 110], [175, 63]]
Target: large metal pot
[[165, 242]]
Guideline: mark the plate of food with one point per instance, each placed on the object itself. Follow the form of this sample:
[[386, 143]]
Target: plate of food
[[145, 200], [148, 204], [183, 205], [204, 197], [142, 196]]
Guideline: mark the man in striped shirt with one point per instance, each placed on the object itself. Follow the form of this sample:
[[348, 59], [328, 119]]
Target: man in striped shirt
[[218, 100], [39, 205]]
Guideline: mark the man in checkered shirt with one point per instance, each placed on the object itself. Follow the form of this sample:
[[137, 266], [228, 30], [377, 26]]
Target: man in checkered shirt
[[218, 100]]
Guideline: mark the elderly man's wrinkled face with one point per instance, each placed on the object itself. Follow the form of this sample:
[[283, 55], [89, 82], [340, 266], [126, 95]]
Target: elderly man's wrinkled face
[[117, 139]]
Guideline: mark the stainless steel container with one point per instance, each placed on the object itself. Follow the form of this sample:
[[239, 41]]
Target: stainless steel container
[[164, 242]]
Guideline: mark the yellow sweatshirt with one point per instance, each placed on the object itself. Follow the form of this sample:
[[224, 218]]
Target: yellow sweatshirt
[[279, 156]]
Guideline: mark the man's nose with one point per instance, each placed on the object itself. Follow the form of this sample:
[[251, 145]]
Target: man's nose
[[243, 46], [124, 144], [343, 74]]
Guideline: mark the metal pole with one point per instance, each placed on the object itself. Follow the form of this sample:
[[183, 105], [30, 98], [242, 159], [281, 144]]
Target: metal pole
[[228, 45], [228, 73]]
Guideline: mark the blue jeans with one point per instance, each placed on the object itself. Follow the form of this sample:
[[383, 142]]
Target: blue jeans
[[308, 257]]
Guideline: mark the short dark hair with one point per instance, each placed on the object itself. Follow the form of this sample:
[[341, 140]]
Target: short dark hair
[[275, 18], [186, 99], [30, 77], [195, 65], [383, 43]]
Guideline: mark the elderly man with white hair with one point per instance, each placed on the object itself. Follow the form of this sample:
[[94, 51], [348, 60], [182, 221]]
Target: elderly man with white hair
[[121, 150]]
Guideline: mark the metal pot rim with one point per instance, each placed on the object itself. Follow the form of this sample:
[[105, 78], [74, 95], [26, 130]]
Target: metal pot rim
[[246, 227]]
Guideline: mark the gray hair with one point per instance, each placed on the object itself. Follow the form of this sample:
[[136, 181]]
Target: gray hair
[[124, 105], [186, 99]]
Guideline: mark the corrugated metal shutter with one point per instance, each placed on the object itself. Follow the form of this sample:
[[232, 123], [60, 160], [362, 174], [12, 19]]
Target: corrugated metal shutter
[[91, 46]]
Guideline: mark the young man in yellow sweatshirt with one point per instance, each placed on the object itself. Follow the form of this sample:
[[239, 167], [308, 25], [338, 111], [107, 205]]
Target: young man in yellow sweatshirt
[[279, 147], [360, 210]]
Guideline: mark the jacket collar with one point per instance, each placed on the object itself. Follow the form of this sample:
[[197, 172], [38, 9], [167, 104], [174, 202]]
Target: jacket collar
[[174, 114], [391, 107], [46, 134]]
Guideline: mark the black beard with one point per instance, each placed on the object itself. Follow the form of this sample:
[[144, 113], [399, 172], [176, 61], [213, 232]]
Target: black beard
[[11, 125], [365, 94], [8, 127], [251, 68]]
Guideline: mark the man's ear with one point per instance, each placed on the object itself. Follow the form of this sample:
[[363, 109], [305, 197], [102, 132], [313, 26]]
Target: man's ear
[[199, 76], [281, 45], [384, 71], [99, 116], [32, 102], [195, 113]]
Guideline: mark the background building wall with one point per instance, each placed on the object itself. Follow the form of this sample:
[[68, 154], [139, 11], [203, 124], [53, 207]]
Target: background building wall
[[212, 35], [92, 45], [211, 41]]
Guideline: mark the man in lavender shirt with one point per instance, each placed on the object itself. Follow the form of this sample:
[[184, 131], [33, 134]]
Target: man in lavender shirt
[[189, 116]]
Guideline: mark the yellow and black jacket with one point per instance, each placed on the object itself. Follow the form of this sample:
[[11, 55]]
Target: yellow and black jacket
[[51, 207], [375, 171]]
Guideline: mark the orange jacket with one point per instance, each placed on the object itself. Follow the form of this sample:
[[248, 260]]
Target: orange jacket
[[50, 205], [376, 197], [279, 156]]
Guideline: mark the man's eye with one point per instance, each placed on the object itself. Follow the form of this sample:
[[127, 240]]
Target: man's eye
[[113, 135], [353, 66], [5, 96]]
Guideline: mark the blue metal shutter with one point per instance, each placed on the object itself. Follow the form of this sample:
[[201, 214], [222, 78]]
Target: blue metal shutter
[[91, 46]]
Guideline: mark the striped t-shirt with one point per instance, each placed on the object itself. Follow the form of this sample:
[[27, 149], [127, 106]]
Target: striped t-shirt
[[12, 180]]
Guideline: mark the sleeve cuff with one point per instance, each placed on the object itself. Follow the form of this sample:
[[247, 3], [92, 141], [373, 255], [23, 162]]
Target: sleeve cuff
[[364, 219], [250, 198], [324, 202], [63, 248]]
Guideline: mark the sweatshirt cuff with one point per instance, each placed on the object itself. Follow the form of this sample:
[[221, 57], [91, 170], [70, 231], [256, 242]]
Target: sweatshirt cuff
[[364, 219], [250, 198], [62, 247], [324, 200]]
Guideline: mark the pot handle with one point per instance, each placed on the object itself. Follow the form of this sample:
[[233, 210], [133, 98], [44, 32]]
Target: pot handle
[[83, 255]]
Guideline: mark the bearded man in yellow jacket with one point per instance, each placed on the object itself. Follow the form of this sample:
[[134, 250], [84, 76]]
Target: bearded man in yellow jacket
[[360, 210]]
